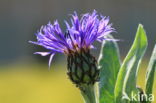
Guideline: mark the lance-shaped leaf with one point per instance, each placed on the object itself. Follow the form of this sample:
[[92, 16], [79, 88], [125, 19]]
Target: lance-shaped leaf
[[109, 64], [127, 76], [150, 73]]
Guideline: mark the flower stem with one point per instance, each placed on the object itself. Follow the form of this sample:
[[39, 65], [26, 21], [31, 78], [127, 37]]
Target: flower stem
[[88, 94]]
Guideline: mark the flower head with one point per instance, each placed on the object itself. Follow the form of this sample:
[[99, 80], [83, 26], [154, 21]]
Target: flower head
[[79, 36], [76, 43]]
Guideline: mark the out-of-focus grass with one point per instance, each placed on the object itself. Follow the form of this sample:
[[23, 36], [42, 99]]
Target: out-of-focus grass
[[35, 84]]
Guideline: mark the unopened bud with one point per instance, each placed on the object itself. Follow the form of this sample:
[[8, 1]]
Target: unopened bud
[[82, 68]]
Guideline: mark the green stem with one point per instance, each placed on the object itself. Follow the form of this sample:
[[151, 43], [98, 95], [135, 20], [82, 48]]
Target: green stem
[[88, 94]]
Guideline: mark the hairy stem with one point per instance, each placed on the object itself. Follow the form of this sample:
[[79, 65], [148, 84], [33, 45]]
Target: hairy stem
[[88, 94]]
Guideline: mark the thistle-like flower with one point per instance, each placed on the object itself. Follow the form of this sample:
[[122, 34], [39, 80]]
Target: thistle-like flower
[[76, 43]]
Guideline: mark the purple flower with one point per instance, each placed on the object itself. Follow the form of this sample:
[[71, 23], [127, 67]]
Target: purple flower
[[79, 36]]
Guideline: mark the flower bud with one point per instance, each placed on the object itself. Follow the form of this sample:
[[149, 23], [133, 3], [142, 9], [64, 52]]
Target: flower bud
[[82, 68]]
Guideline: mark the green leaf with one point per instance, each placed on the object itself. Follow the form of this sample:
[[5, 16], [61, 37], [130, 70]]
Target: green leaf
[[150, 73], [126, 80], [109, 64]]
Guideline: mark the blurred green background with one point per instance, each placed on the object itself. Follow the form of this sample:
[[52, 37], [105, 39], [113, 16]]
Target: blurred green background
[[24, 77]]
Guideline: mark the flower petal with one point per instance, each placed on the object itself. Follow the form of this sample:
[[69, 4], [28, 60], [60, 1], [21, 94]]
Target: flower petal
[[50, 59], [42, 53]]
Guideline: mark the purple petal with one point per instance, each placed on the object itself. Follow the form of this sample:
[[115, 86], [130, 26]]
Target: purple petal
[[92, 47], [74, 31], [109, 39], [82, 33], [67, 25], [50, 59], [42, 53]]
